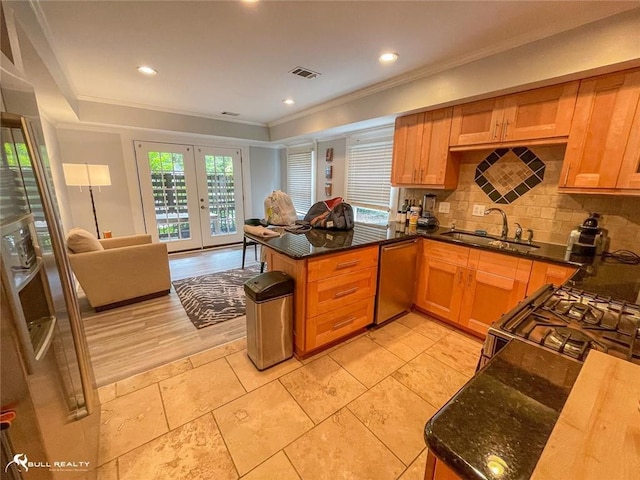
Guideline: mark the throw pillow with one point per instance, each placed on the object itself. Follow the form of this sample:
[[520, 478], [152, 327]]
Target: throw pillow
[[81, 241]]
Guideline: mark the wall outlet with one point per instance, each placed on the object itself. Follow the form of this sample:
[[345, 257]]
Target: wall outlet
[[478, 210], [444, 207]]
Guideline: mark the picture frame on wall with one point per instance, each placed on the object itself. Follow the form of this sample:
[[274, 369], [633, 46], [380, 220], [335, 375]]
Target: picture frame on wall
[[327, 189], [328, 172], [329, 155]]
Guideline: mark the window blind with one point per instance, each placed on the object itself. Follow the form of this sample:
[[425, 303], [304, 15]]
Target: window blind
[[369, 175], [299, 180]]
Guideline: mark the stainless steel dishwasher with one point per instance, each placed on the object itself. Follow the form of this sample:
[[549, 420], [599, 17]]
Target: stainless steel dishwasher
[[396, 279]]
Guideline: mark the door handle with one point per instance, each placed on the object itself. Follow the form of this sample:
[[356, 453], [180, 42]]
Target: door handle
[[495, 130], [202, 207], [470, 278], [506, 128], [344, 293], [420, 179], [460, 276], [343, 323], [566, 177], [347, 264]]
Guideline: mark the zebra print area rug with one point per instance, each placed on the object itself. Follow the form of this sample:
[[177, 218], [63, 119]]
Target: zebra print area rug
[[214, 298]]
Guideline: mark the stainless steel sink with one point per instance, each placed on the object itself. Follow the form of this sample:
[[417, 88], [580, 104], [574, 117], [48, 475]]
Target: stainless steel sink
[[489, 241]]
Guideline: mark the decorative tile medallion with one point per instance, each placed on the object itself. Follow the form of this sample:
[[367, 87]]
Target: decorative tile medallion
[[508, 173]]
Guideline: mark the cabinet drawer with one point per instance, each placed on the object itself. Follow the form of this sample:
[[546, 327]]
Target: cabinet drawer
[[500, 264], [341, 263], [331, 326], [332, 293], [445, 252]]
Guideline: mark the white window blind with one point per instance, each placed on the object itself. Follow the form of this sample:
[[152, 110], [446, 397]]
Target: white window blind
[[369, 175], [300, 180]]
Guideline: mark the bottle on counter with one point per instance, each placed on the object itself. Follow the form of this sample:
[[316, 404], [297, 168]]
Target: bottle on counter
[[413, 216], [403, 211]]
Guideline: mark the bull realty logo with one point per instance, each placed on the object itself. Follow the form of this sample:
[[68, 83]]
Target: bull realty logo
[[23, 464]]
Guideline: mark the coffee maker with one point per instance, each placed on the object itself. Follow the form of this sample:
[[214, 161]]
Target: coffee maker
[[588, 240], [428, 218]]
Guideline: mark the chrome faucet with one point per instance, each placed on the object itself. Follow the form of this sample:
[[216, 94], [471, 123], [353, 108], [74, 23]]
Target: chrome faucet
[[505, 224], [518, 236]]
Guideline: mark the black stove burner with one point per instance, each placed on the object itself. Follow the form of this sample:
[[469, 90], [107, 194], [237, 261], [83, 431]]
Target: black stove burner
[[572, 322], [571, 342]]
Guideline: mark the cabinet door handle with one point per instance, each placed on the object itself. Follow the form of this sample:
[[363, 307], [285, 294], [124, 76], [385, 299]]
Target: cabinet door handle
[[566, 177], [506, 128], [495, 131], [343, 323], [415, 174], [460, 276], [470, 278], [342, 265], [421, 179], [346, 292]]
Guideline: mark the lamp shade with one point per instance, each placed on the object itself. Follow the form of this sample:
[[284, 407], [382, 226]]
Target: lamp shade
[[81, 175]]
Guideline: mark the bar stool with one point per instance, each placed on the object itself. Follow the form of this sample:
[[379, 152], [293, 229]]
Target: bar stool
[[246, 242]]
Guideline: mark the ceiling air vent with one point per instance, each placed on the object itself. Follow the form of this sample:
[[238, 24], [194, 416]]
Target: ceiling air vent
[[304, 72], [231, 114]]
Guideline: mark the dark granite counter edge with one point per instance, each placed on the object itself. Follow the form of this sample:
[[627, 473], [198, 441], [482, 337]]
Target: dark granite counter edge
[[547, 252]]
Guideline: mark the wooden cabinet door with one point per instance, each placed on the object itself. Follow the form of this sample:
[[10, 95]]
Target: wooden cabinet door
[[630, 171], [436, 168], [541, 113], [407, 148], [487, 297], [440, 288], [543, 273], [600, 130], [477, 122], [494, 283]]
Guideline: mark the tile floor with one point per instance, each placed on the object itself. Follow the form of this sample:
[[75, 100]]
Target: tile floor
[[355, 411]]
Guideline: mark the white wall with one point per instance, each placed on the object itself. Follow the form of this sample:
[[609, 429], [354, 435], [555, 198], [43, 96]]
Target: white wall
[[113, 203], [266, 176]]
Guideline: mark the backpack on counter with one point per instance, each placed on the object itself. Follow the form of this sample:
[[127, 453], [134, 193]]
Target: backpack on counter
[[279, 209], [332, 214]]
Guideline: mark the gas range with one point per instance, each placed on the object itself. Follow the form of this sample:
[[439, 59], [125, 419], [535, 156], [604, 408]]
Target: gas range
[[570, 322]]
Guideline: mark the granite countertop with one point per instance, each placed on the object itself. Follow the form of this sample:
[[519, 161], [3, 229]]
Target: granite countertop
[[501, 419], [617, 280]]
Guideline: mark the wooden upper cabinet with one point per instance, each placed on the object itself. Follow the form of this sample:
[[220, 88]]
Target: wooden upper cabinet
[[630, 171], [477, 122], [421, 150], [543, 113], [605, 134], [407, 148]]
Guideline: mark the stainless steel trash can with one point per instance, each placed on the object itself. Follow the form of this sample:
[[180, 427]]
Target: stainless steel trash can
[[269, 299]]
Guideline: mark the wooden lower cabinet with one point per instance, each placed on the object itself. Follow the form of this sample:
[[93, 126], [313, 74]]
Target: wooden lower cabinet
[[439, 288], [543, 273], [469, 287], [334, 294], [438, 470]]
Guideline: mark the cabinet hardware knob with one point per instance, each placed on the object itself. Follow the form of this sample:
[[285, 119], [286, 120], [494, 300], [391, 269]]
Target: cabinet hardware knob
[[495, 130], [506, 128]]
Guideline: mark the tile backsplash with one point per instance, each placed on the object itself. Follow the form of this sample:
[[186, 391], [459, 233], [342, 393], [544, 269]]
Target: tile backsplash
[[551, 215]]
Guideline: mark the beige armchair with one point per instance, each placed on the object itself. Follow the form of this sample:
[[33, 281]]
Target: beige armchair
[[127, 270]]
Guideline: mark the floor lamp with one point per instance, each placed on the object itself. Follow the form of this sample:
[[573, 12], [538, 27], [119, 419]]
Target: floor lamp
[[85, 175]]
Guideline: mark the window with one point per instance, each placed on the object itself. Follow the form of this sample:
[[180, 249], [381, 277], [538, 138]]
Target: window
[[369, 181], [300, 179]]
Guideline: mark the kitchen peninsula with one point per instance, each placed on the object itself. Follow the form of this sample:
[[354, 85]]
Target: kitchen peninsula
[[336, 277]]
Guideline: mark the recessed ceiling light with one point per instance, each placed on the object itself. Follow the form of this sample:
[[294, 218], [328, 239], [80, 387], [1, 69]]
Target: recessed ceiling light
[[288, 101], [146, 70], [388, 57]]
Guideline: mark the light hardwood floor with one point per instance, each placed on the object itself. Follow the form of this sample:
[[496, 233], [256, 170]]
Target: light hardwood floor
[[132, 339]]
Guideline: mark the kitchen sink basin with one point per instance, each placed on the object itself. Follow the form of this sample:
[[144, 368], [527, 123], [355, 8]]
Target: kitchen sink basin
[[489, 241]]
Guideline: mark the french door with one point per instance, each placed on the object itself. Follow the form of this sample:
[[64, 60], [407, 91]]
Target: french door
[[191, 196]]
